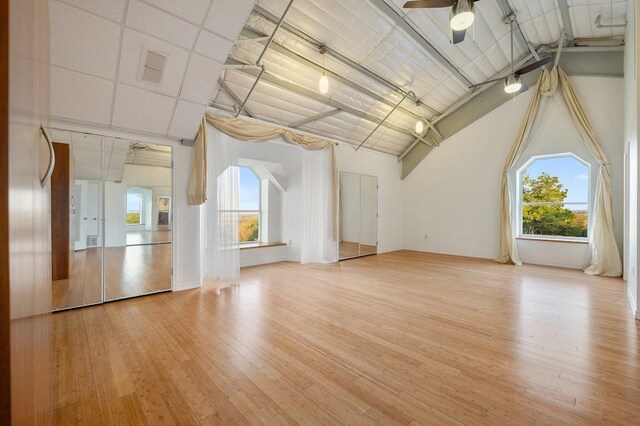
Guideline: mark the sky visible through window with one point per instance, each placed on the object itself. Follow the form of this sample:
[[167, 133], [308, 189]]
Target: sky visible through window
[[249, 190], [573, 175], [133, 202]]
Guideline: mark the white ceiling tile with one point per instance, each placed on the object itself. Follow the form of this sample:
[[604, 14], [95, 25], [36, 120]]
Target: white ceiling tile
[[111, 9], [83, 42], [160, 24], [60, 135], [191, 10], [141, 110], [133, 47], [80, 97], [213, 46], [186, 120], [201, 80], [227, 17]]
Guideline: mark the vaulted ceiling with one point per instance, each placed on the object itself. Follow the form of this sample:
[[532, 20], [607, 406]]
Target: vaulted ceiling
[[377, 53]]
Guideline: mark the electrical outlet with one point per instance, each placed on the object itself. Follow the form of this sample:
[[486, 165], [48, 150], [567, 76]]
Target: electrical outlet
[[426, 236]]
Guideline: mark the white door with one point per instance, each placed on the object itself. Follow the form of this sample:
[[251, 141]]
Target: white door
[[93, 209]]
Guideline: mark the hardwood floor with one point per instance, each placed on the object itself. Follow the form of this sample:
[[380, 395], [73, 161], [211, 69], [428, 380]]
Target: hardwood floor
[[129, 271], [148, 237], [399, 338], [348, 249]]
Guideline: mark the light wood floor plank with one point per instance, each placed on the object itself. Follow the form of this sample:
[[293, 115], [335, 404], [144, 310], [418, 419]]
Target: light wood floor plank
[[399, 338]]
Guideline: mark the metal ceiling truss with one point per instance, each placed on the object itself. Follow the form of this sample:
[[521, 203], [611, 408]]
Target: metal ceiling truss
[[313, 94], [265, 14], [315, 117], [235, 97], [566, 21]]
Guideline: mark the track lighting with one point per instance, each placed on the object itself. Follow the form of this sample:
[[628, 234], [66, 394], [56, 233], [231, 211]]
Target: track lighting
[[323, 84], [462, 15]]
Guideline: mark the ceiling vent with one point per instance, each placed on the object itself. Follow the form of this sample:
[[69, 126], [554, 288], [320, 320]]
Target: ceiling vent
[[153, 67]]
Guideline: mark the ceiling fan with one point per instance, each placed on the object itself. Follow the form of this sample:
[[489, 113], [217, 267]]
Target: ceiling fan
[[461, 16], [513, 83]]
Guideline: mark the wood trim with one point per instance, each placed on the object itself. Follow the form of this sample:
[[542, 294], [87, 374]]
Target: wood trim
[[60, 204], [262, 245], [553, 240], [5, 316]]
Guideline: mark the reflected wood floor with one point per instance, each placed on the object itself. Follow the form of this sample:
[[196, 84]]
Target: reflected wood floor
[[348, 249], [129, 271], [399, 338], [148, 237]]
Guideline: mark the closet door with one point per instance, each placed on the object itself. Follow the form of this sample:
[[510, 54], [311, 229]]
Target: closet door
[[350, 206], [368, 215]]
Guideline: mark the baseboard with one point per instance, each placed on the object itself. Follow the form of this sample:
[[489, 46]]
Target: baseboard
[[264, 261], [188, 286], [632, 303], [450, 253]]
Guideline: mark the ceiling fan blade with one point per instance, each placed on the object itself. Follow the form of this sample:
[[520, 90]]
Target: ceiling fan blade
[[458, 36], [534, 66], [428, 4], [486, 82]]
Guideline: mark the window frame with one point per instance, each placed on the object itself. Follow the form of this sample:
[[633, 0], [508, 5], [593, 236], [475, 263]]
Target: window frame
[[259, 211], [520, 204], [140, 211]]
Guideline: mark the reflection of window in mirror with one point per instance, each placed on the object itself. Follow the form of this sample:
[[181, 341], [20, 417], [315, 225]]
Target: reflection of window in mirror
[[164, 206], [135, 214]]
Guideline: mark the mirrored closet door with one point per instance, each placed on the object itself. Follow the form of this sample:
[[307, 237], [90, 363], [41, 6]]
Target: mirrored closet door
[[112, 219], [358, 215]]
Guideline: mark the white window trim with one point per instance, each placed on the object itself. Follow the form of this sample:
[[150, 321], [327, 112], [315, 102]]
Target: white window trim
[[519, 204]]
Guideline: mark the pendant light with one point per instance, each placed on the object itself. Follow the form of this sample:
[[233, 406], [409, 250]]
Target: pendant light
[[323, 84], [513, 83], [420, 122], [462, 15]]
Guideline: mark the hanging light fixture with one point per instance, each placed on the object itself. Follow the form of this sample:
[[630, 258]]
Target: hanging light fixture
[[512, 84], [420, 122], [462, 15], [323, 84]]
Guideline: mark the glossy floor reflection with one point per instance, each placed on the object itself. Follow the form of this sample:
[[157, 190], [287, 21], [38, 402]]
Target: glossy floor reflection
[[399, 338], [129, 271]]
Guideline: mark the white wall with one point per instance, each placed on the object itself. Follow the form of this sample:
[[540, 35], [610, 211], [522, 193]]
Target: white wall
[[114, 214], [349, 207], [451, 199], [632, 153]]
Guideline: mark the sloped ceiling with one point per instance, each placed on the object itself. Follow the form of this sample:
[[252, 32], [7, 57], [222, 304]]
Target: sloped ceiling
[[97, 47], [361, 32]]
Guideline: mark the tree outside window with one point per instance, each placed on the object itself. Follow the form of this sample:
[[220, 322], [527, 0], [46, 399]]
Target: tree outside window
[[555, 197]]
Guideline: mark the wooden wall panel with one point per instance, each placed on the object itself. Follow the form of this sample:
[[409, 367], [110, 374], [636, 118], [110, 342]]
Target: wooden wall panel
[[60, 205], [5, 318], [29, 215]]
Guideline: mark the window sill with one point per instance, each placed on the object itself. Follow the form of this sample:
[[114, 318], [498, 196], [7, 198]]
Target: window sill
[[554, 240], [260, 245]]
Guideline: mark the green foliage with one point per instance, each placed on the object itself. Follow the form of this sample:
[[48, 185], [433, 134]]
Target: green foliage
[[553, 219], [133, 218], [249, 227]]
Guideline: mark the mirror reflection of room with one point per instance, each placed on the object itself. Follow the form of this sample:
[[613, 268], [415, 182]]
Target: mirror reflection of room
[[358, 211], [114, 208]]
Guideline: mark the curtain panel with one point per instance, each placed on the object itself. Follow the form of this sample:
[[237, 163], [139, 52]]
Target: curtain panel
[[605, 256], [248, 131]]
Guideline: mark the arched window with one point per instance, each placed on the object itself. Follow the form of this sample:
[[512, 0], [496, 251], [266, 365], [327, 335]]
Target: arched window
[[554, 197]]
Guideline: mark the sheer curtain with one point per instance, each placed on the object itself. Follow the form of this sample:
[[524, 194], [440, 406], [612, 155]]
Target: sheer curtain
[[221, 243], [319, 242]]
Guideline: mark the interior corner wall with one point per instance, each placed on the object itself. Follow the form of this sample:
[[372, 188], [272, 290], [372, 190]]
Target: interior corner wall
[[451, 199], [631, 155]]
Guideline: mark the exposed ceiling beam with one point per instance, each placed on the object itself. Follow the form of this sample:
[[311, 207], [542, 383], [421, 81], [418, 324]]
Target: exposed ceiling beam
[[400, 21], [566, 21], [268, 16], [314, 118], [575, 62], [276, 47], [312, 94], [235, 97], [518, 34]]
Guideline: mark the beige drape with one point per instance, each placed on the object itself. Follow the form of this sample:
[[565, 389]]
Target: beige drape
[[605, 257], [249, 131]]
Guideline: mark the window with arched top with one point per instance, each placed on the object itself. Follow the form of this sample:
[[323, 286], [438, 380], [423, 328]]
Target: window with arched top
[[554, 199]]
